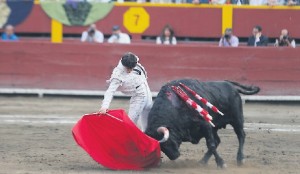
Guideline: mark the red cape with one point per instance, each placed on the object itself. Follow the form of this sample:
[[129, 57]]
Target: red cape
[[115, 142]]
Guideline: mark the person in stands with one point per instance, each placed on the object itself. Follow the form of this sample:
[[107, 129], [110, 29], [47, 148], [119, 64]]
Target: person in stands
[[257, 38], [167, 36], [118, 36], [9, 34], [285, 40]]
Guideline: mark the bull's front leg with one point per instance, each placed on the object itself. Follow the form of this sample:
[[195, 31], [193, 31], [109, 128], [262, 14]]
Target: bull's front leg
[[212, 142]]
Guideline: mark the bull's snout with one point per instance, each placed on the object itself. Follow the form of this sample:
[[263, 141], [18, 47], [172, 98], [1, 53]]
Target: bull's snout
[[174, 156]]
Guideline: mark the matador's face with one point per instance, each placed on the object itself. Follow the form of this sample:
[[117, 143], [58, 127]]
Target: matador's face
[[128, 70]]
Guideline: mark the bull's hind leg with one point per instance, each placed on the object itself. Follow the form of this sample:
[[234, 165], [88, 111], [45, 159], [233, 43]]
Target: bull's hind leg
[[239, 130], [212, 144], [238, 125]]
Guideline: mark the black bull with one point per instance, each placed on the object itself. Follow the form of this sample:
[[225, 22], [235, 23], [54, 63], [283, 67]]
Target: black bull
[[186, 125]]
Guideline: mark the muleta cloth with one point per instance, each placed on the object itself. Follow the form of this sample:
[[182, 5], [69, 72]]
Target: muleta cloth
[[115, 142]]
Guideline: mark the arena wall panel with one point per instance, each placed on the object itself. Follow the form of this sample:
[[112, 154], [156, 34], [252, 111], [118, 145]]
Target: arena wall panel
[[87, 66]]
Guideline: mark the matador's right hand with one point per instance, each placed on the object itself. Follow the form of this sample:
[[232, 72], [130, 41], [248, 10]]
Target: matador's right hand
[[103, 110]]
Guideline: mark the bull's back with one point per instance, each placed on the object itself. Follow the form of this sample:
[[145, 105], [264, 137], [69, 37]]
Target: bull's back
[[220, 93], [212, 90]]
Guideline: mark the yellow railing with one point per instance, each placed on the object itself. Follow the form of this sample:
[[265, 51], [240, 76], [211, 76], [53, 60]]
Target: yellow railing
[[227, 11], [56, 31]]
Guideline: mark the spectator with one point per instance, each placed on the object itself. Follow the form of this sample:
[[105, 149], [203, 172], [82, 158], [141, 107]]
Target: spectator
[[198, 1], [9, 34], [257, 39], [257, 2], [229, 40], [275, 2], [239, 2], [167, 36], [161, 1], [118, 37], [285, 40], [218, 2], [92, 35], [292, 2]]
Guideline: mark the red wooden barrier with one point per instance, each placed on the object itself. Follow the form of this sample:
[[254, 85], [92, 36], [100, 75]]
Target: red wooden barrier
[[87, 66]]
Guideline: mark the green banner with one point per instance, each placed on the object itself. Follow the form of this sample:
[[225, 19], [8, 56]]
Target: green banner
[[74, 12]]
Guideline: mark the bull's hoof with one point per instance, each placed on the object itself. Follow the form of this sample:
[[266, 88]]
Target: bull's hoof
[[222, 166], [241, 162], [203, 162]]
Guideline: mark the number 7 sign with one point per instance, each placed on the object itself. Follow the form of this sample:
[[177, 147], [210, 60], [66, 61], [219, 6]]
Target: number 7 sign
[[136, 20]]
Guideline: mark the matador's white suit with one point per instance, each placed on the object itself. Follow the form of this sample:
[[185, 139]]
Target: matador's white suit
[[133, 84]]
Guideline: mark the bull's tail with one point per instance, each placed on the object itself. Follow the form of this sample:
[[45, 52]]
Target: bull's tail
[[243, 89]]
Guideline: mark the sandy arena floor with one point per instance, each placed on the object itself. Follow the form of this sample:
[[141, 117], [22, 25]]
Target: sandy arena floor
[[35, 137]]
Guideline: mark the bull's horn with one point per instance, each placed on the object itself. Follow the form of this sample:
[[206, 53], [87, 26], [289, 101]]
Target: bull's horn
[[165, 131]]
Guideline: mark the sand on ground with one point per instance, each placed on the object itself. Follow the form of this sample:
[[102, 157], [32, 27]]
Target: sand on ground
[[35, 137]]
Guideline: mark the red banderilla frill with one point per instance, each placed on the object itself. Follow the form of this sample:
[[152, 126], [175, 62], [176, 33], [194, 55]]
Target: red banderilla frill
[[203, 100], [193, 104]]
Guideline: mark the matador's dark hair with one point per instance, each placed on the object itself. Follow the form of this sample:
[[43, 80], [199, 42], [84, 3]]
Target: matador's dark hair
[[129, 60]]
